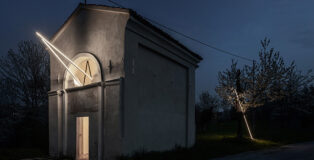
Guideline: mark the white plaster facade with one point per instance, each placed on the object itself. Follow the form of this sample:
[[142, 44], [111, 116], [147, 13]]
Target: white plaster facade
[[144, 96]]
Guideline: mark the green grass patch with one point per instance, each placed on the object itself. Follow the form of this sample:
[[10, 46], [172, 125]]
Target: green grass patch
[[207, 146], [220, 140], [285, 135]]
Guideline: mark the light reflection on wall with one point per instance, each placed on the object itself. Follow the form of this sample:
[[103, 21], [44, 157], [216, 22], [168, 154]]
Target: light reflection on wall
[[89, 65]]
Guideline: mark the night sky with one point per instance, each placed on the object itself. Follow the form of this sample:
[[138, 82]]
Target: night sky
[[236, 26]]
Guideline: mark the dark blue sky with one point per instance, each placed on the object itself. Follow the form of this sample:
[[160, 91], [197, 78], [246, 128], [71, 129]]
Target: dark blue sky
[[236, 26]]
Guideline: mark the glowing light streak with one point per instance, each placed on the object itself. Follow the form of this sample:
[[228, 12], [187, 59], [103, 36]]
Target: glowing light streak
[[72, 74], [76, 83], [63, 55], [244, 117]]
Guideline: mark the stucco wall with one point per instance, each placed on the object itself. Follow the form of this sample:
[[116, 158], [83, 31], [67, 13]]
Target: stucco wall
[[159, 93], [53, 125], [156, 120], [81, 103], [85, 100], [112, 120], [101, 33]]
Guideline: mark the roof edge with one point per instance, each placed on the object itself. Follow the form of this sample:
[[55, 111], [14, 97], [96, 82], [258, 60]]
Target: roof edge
[[132, 13], [163, 33], [66, 22], [85, 6]]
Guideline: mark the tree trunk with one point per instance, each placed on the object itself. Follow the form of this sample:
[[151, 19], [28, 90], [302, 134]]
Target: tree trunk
[[239, 110], [240, 130], [253, 120]]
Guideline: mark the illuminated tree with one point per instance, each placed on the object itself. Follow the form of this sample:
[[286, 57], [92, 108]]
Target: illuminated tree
[[267, 80], [230, 88]]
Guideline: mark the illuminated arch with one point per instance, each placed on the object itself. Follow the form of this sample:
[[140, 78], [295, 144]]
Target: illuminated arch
[[88, 63]]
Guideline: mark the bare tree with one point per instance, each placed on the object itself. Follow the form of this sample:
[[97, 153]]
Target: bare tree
[[205, 109], [25, 74], [24, 84], [208, 101]]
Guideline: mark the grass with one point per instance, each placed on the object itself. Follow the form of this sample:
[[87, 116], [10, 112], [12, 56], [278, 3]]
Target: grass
[[207, 147], [220, 140], [286, 135]]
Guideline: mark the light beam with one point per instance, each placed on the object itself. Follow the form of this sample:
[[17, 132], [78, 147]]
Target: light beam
[[63, 55], [72, 74], [244, 117]]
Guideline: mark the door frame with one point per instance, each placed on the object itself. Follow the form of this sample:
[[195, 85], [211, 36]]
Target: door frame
[[82, 123]]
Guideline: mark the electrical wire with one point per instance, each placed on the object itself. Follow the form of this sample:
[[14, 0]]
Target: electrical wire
[[189, 37]]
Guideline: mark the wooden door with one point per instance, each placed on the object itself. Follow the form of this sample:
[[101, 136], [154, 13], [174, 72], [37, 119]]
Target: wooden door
[[82, 138]]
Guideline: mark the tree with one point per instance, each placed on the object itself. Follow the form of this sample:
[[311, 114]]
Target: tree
[[25, 81], [205, 108], [208, 101], [267, 80], [25, 74], [230, 89]]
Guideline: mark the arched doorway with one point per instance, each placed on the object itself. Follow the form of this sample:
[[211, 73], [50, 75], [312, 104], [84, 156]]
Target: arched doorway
[[85, 71]]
